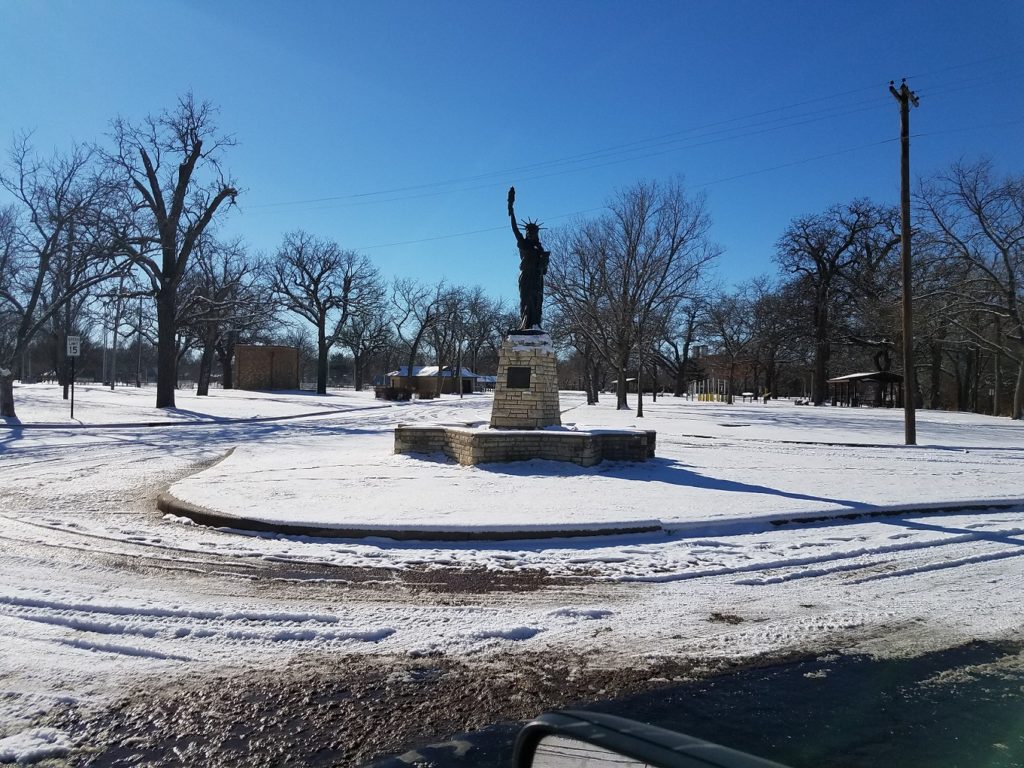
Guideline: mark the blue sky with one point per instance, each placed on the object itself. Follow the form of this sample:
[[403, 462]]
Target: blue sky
[[396, 128]]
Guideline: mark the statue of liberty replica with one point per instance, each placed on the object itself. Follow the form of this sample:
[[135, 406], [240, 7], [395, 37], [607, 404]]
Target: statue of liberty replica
[[533, 265], [526, 389]]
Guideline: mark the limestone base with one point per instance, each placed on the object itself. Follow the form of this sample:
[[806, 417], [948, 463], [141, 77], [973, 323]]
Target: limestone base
[[470, 446], [522, 404]]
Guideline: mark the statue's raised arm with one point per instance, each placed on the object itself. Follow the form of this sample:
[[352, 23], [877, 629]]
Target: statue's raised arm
[[512, 213]]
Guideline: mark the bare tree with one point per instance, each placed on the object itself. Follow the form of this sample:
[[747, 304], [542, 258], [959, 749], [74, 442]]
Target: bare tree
[[369, 330], [174, 188], [617, 275], [321, 283], [979, 221], [53, 248], [678, 335], [222, 294], [298, 337], [448, 333], [115, 301], [827, 250], [730, 321], [580, 307], [416, 308], [775, 317], [486, 321]]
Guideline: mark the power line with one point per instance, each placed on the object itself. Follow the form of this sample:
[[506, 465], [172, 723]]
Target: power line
[[703, 184], [623, 148], [871, 105], [585, 156], [951, 68], [596, 162], [600, 208]]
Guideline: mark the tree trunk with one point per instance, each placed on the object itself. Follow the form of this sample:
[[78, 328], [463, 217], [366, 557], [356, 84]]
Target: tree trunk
[[138, 361], [639, 386], [964, 377], [205, 366], [357, 373], [7, 394], [588, 377], [414, 348], [822, 352], [621, 403], [113, 359], [227, 372], [683, 370], [1018, 394], [997, 381], [976, 382], [680, 385], [322, 351], [590, 368], [166, 350], [935, 382]]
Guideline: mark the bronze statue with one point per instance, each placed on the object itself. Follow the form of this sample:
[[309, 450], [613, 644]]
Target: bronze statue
[[533, 265]]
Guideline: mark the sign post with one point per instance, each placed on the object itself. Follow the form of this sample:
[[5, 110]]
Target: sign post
[[73, 351]]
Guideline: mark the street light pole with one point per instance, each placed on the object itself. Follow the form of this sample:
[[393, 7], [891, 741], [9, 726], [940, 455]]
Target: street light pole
[[906, 97]]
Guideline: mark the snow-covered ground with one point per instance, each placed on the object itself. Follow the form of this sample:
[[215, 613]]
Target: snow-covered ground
[[99, 592], [718, 468]]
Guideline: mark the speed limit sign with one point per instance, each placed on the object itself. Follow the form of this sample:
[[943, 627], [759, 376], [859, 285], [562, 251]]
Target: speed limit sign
[[74, 346]]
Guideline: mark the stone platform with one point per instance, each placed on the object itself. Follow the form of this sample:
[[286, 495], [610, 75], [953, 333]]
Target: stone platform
[[475, 445]]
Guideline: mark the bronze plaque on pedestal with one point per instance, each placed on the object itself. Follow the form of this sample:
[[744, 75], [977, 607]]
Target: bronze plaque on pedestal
[[518, 377]]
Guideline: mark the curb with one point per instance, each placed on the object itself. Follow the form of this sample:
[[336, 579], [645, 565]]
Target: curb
[[699, 528], [171, 505]]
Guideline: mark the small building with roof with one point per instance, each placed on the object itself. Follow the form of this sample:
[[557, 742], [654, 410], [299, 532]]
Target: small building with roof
[[430, 379], [878, 389]]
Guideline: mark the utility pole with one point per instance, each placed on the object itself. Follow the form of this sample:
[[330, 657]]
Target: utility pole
[[138, 369], [906, 97]]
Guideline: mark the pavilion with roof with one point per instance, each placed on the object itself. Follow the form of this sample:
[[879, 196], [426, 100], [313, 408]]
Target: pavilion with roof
[[878, 389]]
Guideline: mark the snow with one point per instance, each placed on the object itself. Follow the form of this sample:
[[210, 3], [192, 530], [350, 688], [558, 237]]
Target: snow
[[428, 371], [99, 592], [95, 405], [717, 468], [528, 342], [33, 745]]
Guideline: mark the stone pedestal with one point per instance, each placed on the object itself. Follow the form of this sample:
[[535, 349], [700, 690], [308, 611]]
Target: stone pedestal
[[526, 391]]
